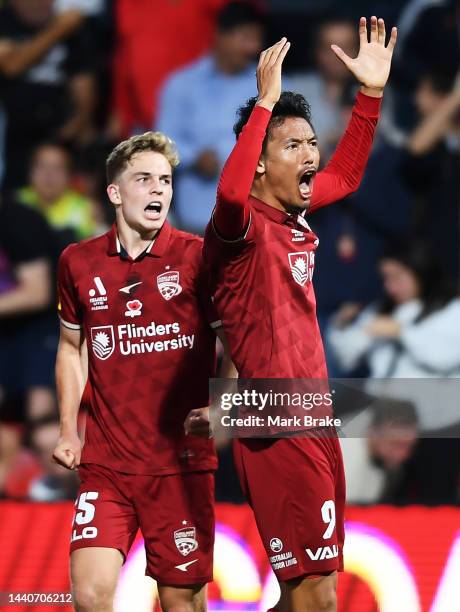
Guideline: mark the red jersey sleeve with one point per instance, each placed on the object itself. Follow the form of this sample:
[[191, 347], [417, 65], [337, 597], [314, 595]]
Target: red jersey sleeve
[[344, 172], [231, 214], [68, 306]]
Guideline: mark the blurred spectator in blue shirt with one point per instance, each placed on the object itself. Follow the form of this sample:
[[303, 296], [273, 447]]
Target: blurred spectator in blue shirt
[[198, 106], [324, 86]]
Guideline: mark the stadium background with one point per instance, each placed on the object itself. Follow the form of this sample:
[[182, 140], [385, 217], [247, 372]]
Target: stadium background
[[106, 70]]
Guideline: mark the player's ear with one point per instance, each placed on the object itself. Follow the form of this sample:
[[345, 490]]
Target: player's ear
[[114, 194], [261, 165]]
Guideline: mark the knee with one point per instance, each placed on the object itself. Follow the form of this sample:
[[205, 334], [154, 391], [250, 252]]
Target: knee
[[178, 606], [93, 597]]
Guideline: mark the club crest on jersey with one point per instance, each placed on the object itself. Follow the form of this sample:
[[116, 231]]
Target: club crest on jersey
[[168, 284], [185, 540], [102, 341], [134, 308], [302, 266]]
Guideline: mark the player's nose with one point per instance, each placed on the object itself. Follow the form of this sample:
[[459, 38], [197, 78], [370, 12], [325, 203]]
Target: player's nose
[[157, 187]]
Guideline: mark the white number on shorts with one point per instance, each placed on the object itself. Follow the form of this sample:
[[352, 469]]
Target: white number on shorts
[[87, 510], [328, 514]]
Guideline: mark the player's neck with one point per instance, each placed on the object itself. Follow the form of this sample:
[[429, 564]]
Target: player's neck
[[134, 241], [266, 197]]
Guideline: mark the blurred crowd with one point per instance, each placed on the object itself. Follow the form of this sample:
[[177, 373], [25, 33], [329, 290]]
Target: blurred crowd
[[77, 76]]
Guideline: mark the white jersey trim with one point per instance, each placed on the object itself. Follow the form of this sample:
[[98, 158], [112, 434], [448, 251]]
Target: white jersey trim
[[216, 324], [70, 325]]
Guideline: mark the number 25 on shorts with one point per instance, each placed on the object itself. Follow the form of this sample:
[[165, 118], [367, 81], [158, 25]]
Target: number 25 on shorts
[[84, 515]]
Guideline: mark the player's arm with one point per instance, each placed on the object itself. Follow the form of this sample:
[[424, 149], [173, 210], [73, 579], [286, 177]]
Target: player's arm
[[231, 214], [343, 174], [17, 57], [69, 386], [198, 421]]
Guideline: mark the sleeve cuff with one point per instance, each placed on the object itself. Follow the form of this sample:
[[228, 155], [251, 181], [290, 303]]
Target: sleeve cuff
[[367, 104], [69, 325], [216, 324], [259, 118]]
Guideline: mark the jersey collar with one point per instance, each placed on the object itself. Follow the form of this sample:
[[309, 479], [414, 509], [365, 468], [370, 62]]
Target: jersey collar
[[156, 249], [279, 216]]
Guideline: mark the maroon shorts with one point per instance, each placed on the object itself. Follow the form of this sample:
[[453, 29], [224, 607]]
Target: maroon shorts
[[175, 514], [296, 488]]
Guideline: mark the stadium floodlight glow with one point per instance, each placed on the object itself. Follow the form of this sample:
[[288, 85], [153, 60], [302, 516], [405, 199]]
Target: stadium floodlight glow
[[381, 563]]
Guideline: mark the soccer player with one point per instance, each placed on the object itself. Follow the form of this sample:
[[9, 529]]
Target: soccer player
[[137, 295], [260, 251]]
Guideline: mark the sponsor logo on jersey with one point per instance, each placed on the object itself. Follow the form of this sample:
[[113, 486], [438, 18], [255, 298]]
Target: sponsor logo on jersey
[[134, 308], [297, 235], [168, 284], [102, 341], [323, 552], [282, 560], [128, 288], [276, 545], [302, 265], [183, 566], [98, 295], [185, 540]]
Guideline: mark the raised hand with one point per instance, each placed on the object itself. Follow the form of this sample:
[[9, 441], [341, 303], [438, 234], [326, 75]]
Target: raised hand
[[269, 74], [372, 66]]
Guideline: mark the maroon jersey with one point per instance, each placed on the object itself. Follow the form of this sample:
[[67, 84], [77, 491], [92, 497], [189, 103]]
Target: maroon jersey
[[151, 349], [262, 280]]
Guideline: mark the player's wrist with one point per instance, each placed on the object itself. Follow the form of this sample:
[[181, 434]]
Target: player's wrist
[[266, 103], [372, 92]]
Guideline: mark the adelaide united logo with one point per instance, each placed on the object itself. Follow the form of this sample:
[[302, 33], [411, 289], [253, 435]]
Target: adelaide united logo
[[302, 265], [185, 540], [168, 284]]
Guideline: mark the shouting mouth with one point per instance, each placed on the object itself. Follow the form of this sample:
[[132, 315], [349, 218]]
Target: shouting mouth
[[306, 184], [153, 210]]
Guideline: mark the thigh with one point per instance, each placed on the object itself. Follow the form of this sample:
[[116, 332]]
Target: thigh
[[104, 514], [94, 572], [176, 515], [296, 494]]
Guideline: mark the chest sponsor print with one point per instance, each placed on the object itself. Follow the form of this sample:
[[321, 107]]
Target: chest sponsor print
[[102, 341], [302, 265]]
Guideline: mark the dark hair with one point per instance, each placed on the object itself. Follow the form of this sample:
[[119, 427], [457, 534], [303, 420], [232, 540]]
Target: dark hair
[[435, 289], [51, 144], [441, 80], [290, 104], [239, 13], [389, 411]]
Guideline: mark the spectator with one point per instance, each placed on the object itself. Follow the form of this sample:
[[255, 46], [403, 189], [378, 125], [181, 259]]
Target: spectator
[[433, 152], [325, 86], [198, 106], [428, 40], [71, 214], [56, 483], [28, 332], [413, 333], [381, 440], [46, 84]]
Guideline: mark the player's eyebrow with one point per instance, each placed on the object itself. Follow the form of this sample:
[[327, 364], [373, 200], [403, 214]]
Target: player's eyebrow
[[142, 174], [292, 139]]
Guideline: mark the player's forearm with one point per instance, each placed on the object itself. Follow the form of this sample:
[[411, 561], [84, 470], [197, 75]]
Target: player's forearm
[[343, 174], [432, 129], [231, 215], [69, 386]]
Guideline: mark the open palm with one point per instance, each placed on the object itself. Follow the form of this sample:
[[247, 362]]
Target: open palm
[[372, 66]]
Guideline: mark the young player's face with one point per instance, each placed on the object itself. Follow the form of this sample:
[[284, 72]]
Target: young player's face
[[143, 191], [290, 162]]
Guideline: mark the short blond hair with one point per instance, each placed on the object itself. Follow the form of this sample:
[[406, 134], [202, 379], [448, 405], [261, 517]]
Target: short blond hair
[[122, 154]]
